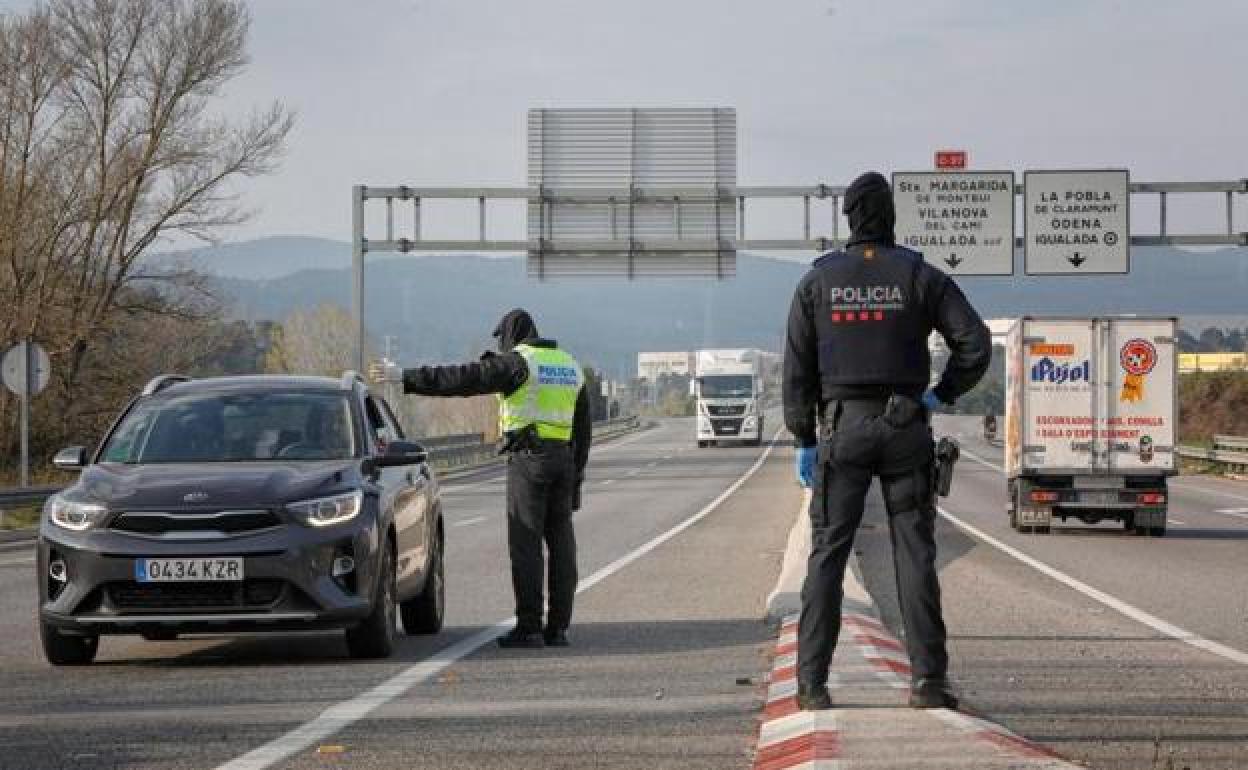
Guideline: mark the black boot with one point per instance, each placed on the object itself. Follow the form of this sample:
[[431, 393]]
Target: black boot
[[932, 694], [519, 638], [813, 697], [555, 637]]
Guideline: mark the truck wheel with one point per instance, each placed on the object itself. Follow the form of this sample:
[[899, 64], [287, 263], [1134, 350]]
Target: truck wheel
[[67, 649], [423, 613], [374, 636], [1157, 531], [701, 445]]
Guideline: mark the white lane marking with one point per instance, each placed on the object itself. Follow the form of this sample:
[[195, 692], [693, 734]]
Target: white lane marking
[[451, 487], [469, 522], [1241, 513], [1176, 521], [633, 472], [608, 481], [982, 461], [17, 562], [342, 715], [1114, 603]]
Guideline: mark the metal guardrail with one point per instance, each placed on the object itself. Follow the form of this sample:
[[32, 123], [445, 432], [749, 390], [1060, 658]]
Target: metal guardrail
[[26, 495], [1231, 451], [445, 453]]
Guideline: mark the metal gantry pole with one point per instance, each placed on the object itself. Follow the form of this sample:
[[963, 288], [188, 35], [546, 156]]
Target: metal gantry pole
[[358, 247], [28, 365]]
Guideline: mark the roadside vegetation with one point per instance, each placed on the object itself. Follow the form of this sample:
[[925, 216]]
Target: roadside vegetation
[[1212, 403], [109, 147], [23, 517]]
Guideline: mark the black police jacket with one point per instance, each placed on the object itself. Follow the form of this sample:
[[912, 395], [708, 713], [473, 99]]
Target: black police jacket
[[858, 328], [499, 373]]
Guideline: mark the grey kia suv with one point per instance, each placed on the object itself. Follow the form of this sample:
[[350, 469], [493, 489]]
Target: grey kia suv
[[258, 503]]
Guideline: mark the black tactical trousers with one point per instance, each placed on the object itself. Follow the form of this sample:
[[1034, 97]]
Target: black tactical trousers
[[864, 445], [540, 484]]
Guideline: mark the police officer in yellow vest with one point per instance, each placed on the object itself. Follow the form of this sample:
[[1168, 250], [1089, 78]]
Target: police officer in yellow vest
[[545, 421]]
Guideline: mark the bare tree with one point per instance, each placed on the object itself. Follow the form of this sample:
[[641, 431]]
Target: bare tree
[[317, 341], [108, 146]]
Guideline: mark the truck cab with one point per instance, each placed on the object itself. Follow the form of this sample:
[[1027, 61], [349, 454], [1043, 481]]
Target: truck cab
[[728, 390]]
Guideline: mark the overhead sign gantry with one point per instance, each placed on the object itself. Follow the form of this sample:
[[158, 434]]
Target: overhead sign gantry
[[646, 193]]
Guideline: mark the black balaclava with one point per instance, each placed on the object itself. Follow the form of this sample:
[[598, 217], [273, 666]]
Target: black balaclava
[[869, 206], [515, 327]]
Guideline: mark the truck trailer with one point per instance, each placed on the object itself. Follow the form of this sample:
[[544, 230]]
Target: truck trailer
[[1091, 420], [728, 386]]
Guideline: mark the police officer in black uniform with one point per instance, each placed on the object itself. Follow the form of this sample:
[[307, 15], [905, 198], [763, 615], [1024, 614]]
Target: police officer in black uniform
[[544, 476], [856, 365]]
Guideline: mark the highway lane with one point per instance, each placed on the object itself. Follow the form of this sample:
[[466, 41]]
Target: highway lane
[[1073, 672], [203, 701]]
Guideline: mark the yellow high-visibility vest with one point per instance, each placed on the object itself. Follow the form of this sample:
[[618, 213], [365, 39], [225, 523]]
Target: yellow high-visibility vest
[[547, 399]]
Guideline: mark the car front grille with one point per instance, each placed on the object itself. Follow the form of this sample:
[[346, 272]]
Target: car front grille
[[726, 427], [733, 410], [253, 594], [189, 523]]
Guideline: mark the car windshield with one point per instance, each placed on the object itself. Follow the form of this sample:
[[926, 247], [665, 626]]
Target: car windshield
[[727, 386], [234, 427]]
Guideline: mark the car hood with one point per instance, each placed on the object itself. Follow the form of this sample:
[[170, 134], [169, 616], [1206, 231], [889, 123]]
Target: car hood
[[212, 485]]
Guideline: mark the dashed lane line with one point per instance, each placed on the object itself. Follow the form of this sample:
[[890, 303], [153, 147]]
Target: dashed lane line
[[450, 487], [344, 714], [469, 522], [1113, 602]]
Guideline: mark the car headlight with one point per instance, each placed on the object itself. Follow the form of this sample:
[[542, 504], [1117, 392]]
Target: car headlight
[[326, 511], [72, 515]]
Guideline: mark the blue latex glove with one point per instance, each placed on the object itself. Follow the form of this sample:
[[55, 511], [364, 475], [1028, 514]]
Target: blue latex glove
[[931, 401], [806, 465]]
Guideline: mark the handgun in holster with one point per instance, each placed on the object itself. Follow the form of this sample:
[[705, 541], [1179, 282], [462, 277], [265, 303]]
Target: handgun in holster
[[947, 453], [519, 440]]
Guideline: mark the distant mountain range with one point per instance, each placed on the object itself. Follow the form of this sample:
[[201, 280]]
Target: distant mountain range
[[443, 307]]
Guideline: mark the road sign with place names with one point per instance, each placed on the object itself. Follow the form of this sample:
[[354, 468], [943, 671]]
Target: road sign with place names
[[1076, 222], [13, 368], [962, 221]]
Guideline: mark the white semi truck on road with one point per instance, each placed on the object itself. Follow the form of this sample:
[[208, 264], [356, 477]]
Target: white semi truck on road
[[728, 386], [1090, 422]]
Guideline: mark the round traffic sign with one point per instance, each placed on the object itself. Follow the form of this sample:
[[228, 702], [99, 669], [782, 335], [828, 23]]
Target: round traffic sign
[[13, 368]]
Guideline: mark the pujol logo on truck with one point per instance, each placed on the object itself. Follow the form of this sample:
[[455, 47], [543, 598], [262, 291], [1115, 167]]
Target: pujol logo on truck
[[1050, 371]]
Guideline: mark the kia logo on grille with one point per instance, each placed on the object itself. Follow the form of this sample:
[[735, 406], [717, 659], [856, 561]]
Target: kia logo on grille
[[195, 497]]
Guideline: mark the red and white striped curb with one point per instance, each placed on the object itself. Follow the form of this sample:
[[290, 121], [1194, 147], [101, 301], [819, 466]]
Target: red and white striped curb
[[869, 658]]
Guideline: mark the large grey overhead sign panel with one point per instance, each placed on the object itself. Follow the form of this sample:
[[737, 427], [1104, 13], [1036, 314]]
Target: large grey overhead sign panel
[[632, 192], [962, 221], [1076, 222]]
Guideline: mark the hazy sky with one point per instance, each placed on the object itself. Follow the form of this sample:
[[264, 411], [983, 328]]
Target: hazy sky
[[435, 91]]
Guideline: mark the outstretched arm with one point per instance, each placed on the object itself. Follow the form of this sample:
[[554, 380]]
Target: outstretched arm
[[492, 374]]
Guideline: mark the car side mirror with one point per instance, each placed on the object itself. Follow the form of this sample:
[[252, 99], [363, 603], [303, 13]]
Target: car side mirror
[[402, 453], [71, 459]]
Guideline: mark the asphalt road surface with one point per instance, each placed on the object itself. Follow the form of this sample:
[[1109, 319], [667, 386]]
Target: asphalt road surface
[[668, 647], [1127, 652]]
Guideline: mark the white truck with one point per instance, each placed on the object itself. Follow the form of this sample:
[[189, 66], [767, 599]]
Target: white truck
[[1090, 421], [728, 386]]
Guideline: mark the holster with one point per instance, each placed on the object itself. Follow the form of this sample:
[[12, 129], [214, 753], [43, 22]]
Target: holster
[[947, 454], [522, 440], [902, 410]]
